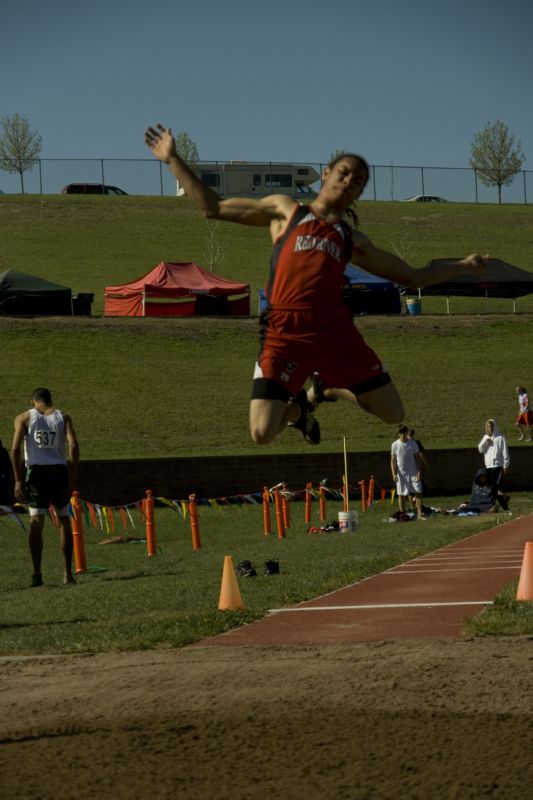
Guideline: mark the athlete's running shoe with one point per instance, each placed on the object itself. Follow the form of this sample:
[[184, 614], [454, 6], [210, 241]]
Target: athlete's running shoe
[[306, 423], [37, 579]]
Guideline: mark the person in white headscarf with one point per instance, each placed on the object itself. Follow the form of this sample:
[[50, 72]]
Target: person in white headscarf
[[494, 448]]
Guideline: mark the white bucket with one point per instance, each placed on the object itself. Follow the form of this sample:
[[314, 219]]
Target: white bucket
[[348, 521]]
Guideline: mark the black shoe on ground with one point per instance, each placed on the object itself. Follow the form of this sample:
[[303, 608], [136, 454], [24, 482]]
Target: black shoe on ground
[[306, 423], [272, 567], [37, 579], [246, 569]]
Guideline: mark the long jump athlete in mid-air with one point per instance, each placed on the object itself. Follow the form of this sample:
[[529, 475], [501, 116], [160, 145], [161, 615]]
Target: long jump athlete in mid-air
[[307, 330]]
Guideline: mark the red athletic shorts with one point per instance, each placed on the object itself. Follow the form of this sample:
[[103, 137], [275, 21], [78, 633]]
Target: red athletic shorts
[[525, 419], [292, 350]]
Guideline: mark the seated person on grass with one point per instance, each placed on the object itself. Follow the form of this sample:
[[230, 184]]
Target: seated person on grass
[[484, 497]]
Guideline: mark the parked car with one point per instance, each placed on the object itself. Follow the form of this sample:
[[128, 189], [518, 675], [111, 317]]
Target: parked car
[[92, 188], [425, 198]]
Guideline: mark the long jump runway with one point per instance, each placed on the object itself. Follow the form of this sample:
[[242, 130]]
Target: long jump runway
[[427, 598]]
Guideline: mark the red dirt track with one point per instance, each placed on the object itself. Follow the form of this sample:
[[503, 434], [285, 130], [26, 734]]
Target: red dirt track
[[427, 598]]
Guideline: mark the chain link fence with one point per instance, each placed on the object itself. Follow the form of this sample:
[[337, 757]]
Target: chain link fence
[[146, 176]]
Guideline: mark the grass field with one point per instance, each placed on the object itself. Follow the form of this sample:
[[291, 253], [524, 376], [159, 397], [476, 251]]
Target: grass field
[[153, 388], [127, 601], [156, 388]]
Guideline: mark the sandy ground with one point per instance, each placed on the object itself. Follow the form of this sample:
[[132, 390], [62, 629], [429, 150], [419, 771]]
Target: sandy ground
[[382, 720]]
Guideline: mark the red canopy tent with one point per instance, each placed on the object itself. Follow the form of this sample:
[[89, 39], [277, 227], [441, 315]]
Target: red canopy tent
[[176, 290]]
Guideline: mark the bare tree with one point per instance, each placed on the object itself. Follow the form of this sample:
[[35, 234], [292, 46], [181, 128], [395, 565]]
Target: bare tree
[[19, 146], [214, 245], [495, 157], [186, 148]]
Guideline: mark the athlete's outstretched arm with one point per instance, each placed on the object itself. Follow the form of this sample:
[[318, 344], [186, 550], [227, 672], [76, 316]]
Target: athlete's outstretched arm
[[386, 265], [243, 210]]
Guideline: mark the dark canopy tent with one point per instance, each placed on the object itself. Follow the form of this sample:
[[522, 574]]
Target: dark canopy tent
[[499, 279], [26, 295], [368, 294]]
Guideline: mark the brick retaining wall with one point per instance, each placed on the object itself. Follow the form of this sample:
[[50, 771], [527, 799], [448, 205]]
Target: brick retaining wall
[[125, 481]]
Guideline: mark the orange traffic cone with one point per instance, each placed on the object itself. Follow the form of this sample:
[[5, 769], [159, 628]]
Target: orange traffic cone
[[525, 584], [230, 595]]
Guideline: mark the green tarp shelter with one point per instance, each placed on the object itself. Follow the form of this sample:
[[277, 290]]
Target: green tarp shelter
[[26, 295]]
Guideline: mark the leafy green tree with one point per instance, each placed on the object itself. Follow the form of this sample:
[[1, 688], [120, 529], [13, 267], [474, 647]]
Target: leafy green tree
[[19, 146], [495, 157], [186, 148]]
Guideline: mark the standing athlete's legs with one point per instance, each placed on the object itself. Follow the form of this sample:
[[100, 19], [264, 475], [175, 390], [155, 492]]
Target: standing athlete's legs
[[66, 545], [36, 546]]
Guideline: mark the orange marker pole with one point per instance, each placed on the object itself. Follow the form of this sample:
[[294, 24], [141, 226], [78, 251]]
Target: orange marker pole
[[308, 501], [322, 503], [286, 507], [362, 484], [195, 525], [267, 525], [149, 523], [383, 496], [370, 495], [76, 524], [279, 514]]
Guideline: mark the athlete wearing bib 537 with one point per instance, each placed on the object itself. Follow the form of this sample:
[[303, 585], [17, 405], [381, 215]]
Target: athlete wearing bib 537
[[305, 328], [46, 433]]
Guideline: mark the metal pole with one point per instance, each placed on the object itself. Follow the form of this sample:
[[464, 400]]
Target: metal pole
[[161, 177], [103, 178], [475, 183], [374, 180], [40, 178], [525, 186], [422, 175]]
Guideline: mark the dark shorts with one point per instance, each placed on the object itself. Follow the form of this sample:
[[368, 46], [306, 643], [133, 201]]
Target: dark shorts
[[47, 485]]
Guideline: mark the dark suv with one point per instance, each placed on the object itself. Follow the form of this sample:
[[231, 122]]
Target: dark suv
[[92, 188]]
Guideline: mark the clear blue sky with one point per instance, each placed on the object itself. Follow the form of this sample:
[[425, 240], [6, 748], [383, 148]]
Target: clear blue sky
[[407, 83]]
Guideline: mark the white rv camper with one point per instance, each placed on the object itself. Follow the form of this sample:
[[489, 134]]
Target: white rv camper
[[248, 179]]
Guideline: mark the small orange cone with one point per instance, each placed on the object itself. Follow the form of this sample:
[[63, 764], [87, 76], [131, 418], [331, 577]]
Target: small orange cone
[[525, 584], [230, 595]]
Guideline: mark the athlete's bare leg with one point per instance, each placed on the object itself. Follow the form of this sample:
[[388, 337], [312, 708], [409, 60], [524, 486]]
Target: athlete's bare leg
[[66, 545], [36, 541], [269, 417], [384, 402]]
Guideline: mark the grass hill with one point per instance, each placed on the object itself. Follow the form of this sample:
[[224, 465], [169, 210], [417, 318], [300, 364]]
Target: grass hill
[[152, 388], [89, 242]]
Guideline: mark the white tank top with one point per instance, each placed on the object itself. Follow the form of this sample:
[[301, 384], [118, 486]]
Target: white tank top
[[44, 443]]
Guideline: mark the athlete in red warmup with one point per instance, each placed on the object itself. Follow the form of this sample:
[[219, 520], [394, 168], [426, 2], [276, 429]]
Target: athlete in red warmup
[[306, 328]]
